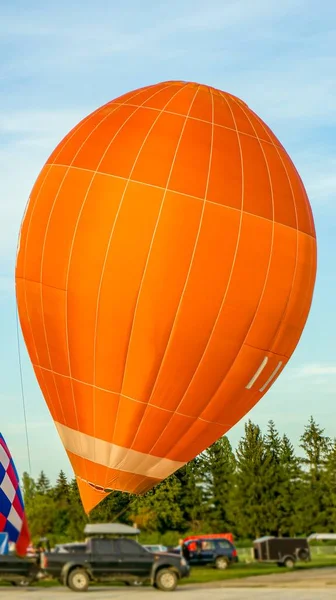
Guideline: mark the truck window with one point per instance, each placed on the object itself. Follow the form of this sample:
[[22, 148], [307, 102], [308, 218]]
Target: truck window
[[103, 546], [130, 547]]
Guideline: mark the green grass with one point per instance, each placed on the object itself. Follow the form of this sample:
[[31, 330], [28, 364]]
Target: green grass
[[239, 571], [208, 574]]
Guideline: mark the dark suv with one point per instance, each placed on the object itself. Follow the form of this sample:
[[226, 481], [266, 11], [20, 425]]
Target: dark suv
[[216, 551]]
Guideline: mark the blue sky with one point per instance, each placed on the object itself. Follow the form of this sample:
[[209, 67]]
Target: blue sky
[[61, 60]]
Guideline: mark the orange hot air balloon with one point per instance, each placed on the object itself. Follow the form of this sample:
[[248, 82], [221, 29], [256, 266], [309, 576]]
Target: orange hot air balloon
[[165, 272]]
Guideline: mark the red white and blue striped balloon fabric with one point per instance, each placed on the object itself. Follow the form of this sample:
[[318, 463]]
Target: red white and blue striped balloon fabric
[[12, 513]]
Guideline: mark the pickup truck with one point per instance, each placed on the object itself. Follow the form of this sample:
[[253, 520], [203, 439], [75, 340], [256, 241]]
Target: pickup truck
[[18, 571], [122, 559]]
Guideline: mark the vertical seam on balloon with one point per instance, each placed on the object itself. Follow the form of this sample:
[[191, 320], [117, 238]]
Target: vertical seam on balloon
[[234, 257], [42, 259], [199, 416], [194, 250], [74, 236], [276, 335], [66, 295], [266, 276], [120, 395], [115, 221], [152, 242], [185, 283], [25, 255], [269, 261]]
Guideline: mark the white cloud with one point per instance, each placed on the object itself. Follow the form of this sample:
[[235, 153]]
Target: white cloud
[[44, 123], [314, 369]]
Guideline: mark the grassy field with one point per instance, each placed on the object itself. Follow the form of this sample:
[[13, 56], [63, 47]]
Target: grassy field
[[209, 574], [206, 575]]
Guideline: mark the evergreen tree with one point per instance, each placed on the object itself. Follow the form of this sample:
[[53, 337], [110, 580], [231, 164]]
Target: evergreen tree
[[290, 522], [163, 504], [61, 495], [76, 514], [330, 486], [191, 496], [28, 488], [251, 483], [61, 490], [43, 484], [42, 515], [114, 507], [218, 470], [275, 476], [313, 504]]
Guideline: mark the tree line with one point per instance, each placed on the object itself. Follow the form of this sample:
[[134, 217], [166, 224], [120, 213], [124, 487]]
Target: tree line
[[262, 488]]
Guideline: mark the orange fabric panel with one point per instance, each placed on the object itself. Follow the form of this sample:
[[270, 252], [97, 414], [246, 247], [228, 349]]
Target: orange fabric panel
[[99, 210], [21, 261], [182, 99], [164, 276], [192, 161], [163, 282], [92, 151], [69, 147], [226, 158], [236, 313], [300, 297], [154, 162], [257, 185], [37, 218], [276, 293], [241, 118], [283, 195], [126, 142], [211, 270], [121, 280]]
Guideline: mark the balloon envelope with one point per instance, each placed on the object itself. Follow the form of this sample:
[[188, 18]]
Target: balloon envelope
[[164, 276]]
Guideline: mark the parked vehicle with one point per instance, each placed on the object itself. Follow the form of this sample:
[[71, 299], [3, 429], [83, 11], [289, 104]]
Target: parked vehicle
[[283, 551], [114, 559], [18, 571], [214, 550]]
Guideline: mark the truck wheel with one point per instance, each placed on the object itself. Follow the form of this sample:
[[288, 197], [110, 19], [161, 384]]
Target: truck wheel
[[166, 580], [289, 562], [221, 563], [303, 554], [78, 580]]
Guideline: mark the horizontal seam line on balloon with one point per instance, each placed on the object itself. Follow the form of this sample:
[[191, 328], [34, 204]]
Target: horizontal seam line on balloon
[[101, 489], [158, 187], [54, 287], [170, 112], [129, 397], [264, 350]]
